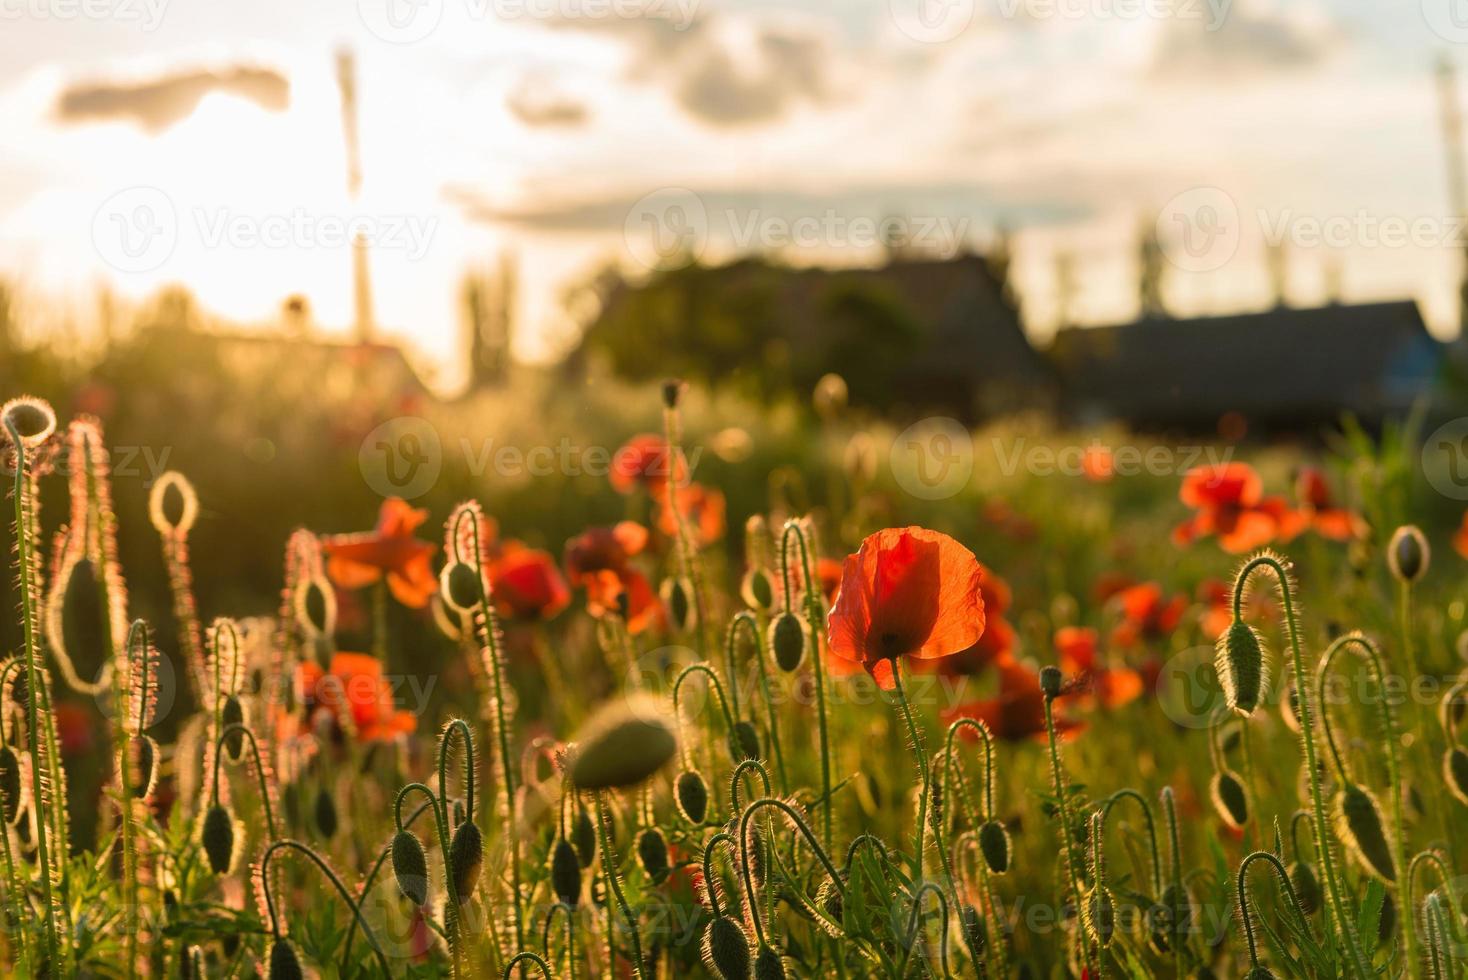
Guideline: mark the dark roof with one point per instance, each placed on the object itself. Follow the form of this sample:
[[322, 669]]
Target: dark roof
[[1282, 366]]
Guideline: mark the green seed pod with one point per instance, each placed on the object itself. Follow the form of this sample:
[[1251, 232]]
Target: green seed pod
[[461, 586], [410, 867], [829, 900], [726, 949], [1100, 916], [975, 933], [1242, 670], [565, 873], [743, 741], [1455, 773], [11, 793], [622, 745], [76, 626], [769, 965], [757, 589], [32, 419], [218, 838], [232, 712], [787, 640], [1260, 973], [1386, 925], [324, 811], [284, 964], [1050, 681], [143, 765], [994, 845], [1360, 826], [1307, 886], [1230, 798], [652, 853], [466, 858], [672, 392], [692, 794], [583, 836], [677, 595], [1407, 554]]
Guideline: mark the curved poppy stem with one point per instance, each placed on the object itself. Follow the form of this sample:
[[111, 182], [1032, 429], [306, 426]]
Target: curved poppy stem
[[460, 727], [371, 879], [777, 747], [1289, 888], [1131, 794], [441, 827], [710, 883], [526, 956], [1438, 940], [800, 825], [927, 888], [744, 618], [249, 738], [793, 529], [1359, 964], [1067, 838], [987, 809], [550, 919], [737, 780], [336, 882], [718, 689]]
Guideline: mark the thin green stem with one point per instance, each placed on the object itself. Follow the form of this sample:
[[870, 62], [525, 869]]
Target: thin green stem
[[609, 871], [526, 956], [330, 875], [1067, 837], [1243, 898], [249, 738], [920, 756], [794, 529], [1131, 794]]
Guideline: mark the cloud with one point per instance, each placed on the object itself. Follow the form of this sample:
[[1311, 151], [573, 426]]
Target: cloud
[[159, 103], [536, 104], [1243, 43]]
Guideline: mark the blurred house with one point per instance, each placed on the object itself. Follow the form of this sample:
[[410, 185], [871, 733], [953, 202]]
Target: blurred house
[[1282, 369]]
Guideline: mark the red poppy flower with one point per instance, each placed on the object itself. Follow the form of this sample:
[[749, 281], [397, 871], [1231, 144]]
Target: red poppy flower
[[644, 462], [354, 688], [1079, 649], [1147, 615], [358, 560], [1018, 710], [1097, 464], [997, 640], [908, 592], [1460, 537], [597, 560], [1230, 503], [526, 583], [703, 513], [1319, 509]]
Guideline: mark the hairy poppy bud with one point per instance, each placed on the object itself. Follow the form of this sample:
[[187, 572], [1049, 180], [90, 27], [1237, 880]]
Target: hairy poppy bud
[[726, 949], [1360, 826], [652, 853], [583, 836], [410, 867], [677, 595], [232, 712], [1307, 886], [672, 391], [325, 813], [829, 900], [565, 872], [994, 845], [768, 965], [460, 586], [1260, 973], [466, 858], [622, 745], [1230, 798], [1455, 773], [1050, 681], [284, 964], [1407, 554], [975, 933], [143, 762], [743, 741], [218, 838], [787, 639], [757, 589], [692, 794], [1100, 916], [10, 788], [172, 504], [1386, 924], [1241, 667], [315, 607], [29, 419]]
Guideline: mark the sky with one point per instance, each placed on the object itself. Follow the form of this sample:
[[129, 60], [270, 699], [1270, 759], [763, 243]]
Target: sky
[[151, 142]]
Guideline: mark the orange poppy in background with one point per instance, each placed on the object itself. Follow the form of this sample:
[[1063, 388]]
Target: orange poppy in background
[[907, 592], [597, 560], [644, 461], [355, 561], [1017, 711], [1323, 514], [1080, 654], [1147, 615], [1460, 537], [1230, 503], [703, 512], [997, 640], [1098, 464], [354, 688], [526, 584]]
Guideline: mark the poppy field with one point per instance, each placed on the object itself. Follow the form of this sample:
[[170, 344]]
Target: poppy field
[[1203, 723]]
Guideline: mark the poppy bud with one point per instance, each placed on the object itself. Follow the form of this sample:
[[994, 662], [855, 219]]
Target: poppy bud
[[975, 933], [1241, 667], [10, 788], [466, 858], [410, 867], [726, 949], [622, 745], [1050, 681], [583, 836], [284, 964], [743, 741], [460, 814], [677, 595], [315, 608], [1455, 773], [1360, 826], [232, 712], [1407, 554], [461, 586], [325, 813], [1260, 973], [143, 761], [652, 853], [672, 391], [828, 897], [172, 504], [1386, 924], [994, 845], [30, 419], [1100, 916], [1307, 886], [1230, 798], [758, 868], [757, 589], [692, 794], [565, 872], [787, 639], [218, 838], [768, 965]]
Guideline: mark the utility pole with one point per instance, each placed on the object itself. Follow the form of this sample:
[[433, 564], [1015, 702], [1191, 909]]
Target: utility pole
[[346, 78], [1452, 123]]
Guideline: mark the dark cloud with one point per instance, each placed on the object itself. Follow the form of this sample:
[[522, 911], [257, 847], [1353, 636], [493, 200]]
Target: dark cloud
[[159, 103], [535, 103], [1240, 43]]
